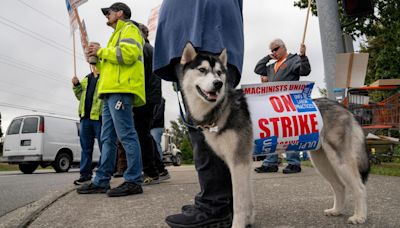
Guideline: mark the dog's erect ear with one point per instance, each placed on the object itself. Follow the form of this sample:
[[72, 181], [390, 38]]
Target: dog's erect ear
[[188, 53], [223, 57]]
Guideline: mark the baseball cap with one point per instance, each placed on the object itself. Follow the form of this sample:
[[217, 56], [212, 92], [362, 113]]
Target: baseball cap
[[117, 7]]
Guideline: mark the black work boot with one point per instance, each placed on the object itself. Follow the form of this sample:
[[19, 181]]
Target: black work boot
[[267, 169], [91, 189], [194, 217], [292, 169], [125, 189]]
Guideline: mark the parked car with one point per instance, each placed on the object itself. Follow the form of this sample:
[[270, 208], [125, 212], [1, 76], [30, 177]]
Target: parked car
[[34, 140]]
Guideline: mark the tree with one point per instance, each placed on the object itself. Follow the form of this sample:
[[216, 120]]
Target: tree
[[178, 130], [382, 32], [181, 139]]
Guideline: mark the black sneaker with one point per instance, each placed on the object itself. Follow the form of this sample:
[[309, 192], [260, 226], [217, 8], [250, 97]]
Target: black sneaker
[[147, 180], [292, 169], [125, 189], [91, 189], [267, 169], [164, 175], [194, 217], [82, 180]]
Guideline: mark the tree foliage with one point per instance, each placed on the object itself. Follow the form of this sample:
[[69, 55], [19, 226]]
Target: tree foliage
[[181, 139], [178, 130], [186, 149], [382, 32]]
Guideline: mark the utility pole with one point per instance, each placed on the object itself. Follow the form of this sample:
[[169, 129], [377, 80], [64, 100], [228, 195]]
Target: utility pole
[[331, 40]]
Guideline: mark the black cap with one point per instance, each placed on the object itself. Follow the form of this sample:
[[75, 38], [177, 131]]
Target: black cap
[[117, 7]]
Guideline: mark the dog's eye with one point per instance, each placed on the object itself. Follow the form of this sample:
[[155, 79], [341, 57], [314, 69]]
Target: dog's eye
[[202, 70], [219, 73]]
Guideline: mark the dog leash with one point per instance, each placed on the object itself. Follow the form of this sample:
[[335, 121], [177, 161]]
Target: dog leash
[[185, 122]]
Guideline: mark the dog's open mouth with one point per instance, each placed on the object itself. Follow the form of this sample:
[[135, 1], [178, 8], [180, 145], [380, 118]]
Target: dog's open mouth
[[209, 96]]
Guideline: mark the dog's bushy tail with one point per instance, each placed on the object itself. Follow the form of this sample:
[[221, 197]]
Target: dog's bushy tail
[[364, 167]]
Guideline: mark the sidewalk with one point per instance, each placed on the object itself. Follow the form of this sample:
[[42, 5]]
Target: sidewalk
[[296, 200]]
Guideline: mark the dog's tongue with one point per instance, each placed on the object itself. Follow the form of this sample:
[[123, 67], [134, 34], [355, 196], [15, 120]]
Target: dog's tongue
[[212, 96]]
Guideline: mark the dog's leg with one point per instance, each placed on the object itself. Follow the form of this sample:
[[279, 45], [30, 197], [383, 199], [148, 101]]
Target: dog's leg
[[350, 174], [242, 194], [325, 168]]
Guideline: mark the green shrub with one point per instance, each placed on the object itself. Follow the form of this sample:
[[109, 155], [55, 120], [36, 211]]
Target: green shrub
[[186, 149]]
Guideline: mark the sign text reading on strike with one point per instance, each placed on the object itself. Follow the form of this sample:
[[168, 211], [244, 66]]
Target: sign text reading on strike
[[290, 125]]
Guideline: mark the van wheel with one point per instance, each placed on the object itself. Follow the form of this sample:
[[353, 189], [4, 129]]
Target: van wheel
[[62, 163], [177, 160], [28, 168]]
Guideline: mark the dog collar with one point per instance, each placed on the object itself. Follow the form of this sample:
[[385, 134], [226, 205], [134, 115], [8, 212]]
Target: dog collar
[[209, 127]]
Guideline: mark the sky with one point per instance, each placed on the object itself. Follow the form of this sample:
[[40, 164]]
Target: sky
[[36, 50]]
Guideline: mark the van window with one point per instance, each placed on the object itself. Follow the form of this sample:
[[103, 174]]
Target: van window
[[14, 127], [30, 125]]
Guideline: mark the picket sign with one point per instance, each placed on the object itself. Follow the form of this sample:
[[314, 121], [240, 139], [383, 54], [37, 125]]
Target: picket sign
[[284, 116]]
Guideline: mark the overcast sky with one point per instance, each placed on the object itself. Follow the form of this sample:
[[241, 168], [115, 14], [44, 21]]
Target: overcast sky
[[36, 58]]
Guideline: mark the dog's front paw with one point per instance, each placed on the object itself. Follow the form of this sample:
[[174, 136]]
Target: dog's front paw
[[332, 212], [357, 219]]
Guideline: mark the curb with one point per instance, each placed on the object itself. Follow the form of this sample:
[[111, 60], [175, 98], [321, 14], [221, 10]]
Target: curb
[[25, 215]]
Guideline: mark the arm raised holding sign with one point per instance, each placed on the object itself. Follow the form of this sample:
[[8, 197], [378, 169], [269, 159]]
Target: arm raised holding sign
[[287, 67]]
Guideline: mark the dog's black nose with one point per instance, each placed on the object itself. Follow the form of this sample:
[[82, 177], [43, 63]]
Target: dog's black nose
[[217, 84]]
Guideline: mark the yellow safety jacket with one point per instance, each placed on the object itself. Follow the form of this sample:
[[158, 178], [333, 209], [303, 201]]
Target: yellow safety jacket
[[121, 63], [97, 104]]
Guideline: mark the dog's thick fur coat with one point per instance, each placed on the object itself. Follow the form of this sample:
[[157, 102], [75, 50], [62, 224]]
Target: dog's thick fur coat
[[223, 115]]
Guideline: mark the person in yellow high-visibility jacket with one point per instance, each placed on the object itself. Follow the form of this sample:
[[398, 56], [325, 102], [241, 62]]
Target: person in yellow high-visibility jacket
[[90, 107], [121, 86]]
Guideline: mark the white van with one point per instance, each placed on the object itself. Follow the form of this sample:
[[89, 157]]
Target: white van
[[34, 140]]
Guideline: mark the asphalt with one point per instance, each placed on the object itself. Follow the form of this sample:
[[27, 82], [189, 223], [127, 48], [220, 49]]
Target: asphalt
[[281, 200]]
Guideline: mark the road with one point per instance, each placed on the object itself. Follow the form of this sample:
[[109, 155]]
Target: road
[[17, 189]]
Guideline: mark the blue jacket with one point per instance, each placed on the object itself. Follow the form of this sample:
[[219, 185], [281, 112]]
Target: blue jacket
[[210, 25]]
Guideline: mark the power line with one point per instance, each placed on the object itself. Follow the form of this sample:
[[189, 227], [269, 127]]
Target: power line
[[46, 100], [44, 14], [38, 36], [15, 65], [3, 104], [32, 66], [29, 89], [34, 98]]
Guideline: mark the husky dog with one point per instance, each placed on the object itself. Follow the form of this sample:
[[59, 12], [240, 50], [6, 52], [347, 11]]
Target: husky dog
[[222, 113], [342, 159]]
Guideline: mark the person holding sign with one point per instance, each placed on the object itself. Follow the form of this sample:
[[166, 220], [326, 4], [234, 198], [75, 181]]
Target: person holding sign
[[90, 107], [287, 67], [121, 86]]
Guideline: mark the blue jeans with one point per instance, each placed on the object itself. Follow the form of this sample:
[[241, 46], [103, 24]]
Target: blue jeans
[[157, 134], [292, 157], [119, 124], [88, 131], [305, 156]]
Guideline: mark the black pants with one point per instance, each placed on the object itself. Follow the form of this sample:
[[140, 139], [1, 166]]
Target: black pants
[[215, 194], [143, 119], [121, 157]]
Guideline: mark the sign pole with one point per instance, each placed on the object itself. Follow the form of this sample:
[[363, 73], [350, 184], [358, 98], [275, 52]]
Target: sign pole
[[73, 43], [305, 26], [82, 31]]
